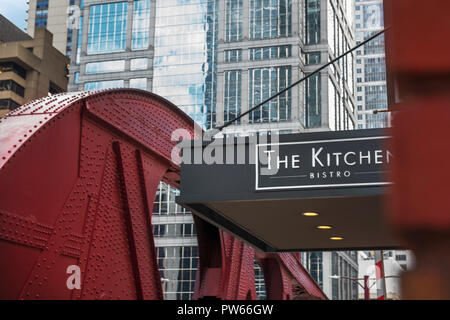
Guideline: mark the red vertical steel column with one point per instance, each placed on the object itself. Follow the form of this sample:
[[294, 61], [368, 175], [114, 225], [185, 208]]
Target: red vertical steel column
[[379, 275], [366, 288], [138, 218], [277, 281], [226, 265], [286, 279], [418, 68]]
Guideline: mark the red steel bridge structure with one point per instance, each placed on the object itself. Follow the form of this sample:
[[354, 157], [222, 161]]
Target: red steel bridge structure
[[78, 176]]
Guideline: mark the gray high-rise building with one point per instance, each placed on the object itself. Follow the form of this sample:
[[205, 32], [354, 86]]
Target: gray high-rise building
[[370, 65], [215, 59]]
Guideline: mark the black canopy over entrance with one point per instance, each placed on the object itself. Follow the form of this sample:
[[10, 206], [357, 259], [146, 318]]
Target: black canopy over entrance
[[309, 191]]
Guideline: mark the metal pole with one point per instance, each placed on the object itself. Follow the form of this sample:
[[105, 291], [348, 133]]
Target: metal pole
[[366, 288]]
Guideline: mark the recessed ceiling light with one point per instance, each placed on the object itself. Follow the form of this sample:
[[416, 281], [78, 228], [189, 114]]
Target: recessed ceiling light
[[324, 227], [310, 214], [336, 238]]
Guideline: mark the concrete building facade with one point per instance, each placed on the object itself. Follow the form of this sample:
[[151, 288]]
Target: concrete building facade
[[216, 59], [29, 68], [55, 16]]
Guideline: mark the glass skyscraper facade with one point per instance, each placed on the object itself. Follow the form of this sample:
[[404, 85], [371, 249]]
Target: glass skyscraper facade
[[185, 54], [215, 59]]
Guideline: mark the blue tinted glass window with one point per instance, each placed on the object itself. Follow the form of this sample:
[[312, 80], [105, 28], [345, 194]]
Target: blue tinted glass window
[[107, 28], [140, 83], [139, 64], [41, 4], [79, 41], [99, 85], [141, 24], [105, 67]]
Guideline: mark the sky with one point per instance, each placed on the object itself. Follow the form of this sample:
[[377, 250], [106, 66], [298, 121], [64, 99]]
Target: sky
[[15, 11]]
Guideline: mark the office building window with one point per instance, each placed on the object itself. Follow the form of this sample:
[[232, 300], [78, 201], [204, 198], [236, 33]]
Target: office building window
[[373, 15], [333, 105], [76, 80], [375, 97], [41, 14], [233, 20], [374, 46], [165, 204], [178, 267], [107, 28], [233, 55], [232, 95], [275, 52], [260, 285], [264, 83], [331, 29], [79, 41], [313, 114], [174, 230], [10, 85], [139, 64], [13, 67], [312, 21], [313, 58], [315, 265], [400, 257], [378, 120], [140, 83], [41, 22], [42, 4], [99, 85], [270, 18], [105, 67], [141, 25], [69, 42], [8, 104], [375, 69]]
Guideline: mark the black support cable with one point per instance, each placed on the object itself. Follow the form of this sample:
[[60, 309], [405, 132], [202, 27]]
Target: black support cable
[[303, 79]]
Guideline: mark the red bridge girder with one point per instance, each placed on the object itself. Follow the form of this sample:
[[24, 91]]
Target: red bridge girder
[[78, 177]]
